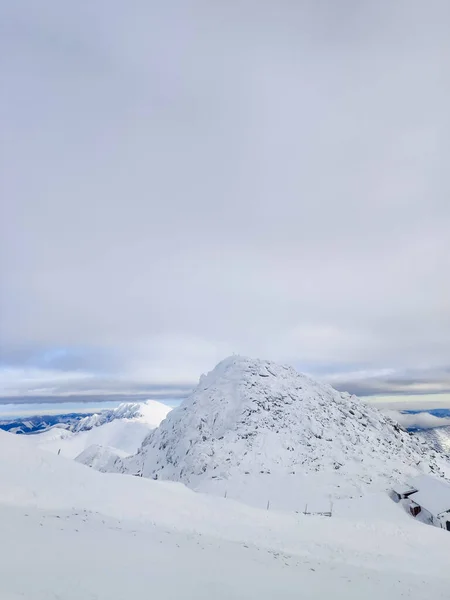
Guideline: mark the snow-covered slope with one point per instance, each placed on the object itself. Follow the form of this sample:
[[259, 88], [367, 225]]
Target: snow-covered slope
[[125, 435], [262, 432], [101, 458], [128, 535], [50, 436], [122, 430], [150, 412], [438, 438]]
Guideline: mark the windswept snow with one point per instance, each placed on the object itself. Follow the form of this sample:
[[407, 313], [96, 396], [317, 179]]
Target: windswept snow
[[101, 458], [125, 435], [260, 432], [75, 533]]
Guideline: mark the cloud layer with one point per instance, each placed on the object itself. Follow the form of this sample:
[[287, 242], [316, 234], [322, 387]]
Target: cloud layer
[[183, 181], [422, 420]]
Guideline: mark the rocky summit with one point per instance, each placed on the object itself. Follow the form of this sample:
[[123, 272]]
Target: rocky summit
[[252, 423]]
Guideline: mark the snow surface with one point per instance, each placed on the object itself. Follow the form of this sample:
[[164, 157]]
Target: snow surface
[[72, 532], [101, 458], [125, 435], [438, 438], [121, 430], [405, 488], [433, 494], [262, 433]]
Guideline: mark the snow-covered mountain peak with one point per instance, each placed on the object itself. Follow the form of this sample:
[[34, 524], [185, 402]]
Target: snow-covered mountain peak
[[251, 395], [150, 412], [256, 424], [111, 433], [239, 383]]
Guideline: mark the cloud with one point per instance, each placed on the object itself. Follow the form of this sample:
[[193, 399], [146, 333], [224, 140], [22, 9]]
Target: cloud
[[22, 385], [422, 420], [183, 183], [379, 382]]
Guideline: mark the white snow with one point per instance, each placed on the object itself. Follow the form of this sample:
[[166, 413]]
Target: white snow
[[48, 437], [126, 435], [260, 432], [402, 489], [69, 532], [150, 412], [122, 429], [101, 458], [433, 494], [439, 438]]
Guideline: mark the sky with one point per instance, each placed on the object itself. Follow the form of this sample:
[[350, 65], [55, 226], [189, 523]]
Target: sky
[[182, 181]]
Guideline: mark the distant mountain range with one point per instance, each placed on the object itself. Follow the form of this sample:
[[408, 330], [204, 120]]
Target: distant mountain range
[[101, 437], [152, 412], [40, 423]]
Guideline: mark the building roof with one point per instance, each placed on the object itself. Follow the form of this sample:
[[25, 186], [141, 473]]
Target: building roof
[[433, 494], [404, 489]]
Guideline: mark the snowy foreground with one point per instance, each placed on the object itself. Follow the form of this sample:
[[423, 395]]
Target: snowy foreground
[[70, 532]]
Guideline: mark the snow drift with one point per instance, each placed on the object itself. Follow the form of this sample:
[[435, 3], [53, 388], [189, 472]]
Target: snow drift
[[101, 458]]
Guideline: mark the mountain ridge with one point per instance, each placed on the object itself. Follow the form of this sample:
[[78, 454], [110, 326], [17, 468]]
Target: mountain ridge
[[151, 412]]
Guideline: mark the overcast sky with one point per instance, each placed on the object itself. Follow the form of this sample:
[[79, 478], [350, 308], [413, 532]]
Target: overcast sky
[[184, 180]]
